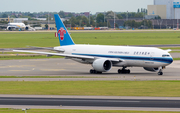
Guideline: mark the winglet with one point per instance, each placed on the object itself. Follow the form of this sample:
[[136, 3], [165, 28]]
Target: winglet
[[64, 37]]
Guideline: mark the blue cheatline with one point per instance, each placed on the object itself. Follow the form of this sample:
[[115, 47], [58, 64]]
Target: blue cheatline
[[155, 59], [64, 37]]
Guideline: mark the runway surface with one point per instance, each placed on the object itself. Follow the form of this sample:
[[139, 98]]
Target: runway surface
[[64, 67], [76, 102]]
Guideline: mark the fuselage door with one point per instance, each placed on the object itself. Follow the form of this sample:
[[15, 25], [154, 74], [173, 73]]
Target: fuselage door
[[152, 56]]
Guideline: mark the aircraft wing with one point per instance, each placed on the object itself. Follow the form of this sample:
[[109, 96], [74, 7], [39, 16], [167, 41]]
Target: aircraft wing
[[46, 48], [68, 55], [56, 54]]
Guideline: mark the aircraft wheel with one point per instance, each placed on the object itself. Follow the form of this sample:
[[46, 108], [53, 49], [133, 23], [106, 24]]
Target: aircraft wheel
[[160, 73], [119, 71], [94, 72], [91, 71], [99, 72], [123, 71]]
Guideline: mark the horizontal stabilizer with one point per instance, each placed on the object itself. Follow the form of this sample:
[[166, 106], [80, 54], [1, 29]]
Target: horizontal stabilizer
[[168, 50]]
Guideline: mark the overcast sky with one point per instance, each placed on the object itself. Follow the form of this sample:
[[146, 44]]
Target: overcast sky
[[73, 5]]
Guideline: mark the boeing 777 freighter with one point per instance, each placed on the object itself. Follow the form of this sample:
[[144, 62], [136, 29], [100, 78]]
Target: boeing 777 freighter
[[102, 57]]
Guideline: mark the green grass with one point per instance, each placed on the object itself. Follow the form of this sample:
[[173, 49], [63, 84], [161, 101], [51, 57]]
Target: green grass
[[101, 88], [172, 48], [128, 38], [176, 58], [47, 39], [6, 110], [175, 52], [22, 39]]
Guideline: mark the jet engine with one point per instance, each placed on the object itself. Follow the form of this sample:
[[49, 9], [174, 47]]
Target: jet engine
[[102, 65], [9, 28], [151, 69], [27, 28]]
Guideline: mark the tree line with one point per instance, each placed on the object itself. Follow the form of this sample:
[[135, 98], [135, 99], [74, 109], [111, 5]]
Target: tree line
[[142, 24], [96, 20], [101, 19]]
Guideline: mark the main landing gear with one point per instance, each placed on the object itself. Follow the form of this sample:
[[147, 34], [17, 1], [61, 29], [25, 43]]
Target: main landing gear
[[124, 71], [160, 73], [94, 72]]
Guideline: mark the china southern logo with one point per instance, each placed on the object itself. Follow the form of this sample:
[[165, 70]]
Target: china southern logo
[[176, 4], [61, 32]]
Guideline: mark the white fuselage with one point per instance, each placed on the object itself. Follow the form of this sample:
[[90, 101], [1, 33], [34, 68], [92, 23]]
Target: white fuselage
[[17, 25], [129, 55]]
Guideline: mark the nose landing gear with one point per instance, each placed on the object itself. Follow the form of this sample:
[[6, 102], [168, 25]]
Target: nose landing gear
[[160, 71]]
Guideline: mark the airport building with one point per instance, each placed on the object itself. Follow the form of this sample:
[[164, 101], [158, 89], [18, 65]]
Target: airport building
[[19, 20], [166, 9], [6, 19], [14, 20]]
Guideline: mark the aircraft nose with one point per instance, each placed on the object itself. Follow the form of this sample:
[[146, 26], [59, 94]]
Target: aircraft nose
[[171, 60]]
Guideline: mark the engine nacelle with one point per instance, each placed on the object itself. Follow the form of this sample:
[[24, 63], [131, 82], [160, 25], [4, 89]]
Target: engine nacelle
[[27, 28], [151, 69], [9, 28], [102, 65]]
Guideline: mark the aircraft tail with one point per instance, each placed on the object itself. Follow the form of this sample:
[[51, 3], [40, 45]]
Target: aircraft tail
[[64, 37]]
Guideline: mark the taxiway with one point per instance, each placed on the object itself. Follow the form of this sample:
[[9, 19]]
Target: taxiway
[[64, 67], [91, 102]]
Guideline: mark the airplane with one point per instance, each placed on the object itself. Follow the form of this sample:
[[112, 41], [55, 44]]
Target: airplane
[[103, 58], [13, 26], [21, 26]]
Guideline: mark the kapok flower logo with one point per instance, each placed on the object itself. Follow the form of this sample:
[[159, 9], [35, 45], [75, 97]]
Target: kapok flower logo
[[61, 32]]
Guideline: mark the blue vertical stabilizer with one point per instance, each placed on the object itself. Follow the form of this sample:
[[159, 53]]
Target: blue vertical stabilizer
[[64, 37]]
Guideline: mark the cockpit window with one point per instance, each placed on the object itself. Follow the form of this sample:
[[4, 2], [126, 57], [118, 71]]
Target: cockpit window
[[165, 55]]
